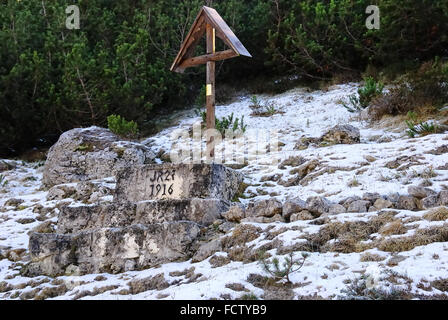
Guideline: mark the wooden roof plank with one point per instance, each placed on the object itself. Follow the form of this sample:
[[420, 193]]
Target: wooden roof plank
[[197, 23], [197, 30], [222, 26]]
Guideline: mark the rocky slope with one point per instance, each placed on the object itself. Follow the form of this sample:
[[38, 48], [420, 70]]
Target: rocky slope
[[367, 207]]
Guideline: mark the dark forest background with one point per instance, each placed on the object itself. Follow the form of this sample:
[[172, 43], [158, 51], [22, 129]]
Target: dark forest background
[[53, 79]]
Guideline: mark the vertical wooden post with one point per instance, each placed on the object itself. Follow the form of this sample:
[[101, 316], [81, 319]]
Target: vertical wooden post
[[210, 89]]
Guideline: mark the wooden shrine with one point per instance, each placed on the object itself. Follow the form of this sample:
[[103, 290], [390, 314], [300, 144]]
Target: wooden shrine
[[210, 23]]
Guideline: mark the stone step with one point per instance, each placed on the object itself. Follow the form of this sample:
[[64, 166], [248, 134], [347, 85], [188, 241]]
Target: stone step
[[111, 250], [78, 218], [176, 181]]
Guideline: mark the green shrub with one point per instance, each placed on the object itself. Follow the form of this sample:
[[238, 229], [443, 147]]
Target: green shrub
[[366, 94], [263, 109], [353, 104], [419, 128], [3, 181], [226, 123], [283, 271], [122, 127], [370, 90]]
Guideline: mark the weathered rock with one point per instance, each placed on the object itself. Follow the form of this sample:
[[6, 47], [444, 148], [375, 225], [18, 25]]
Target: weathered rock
[[264, 208], [261, 219], [358, 206], [292, 161], [317, 205], [293, 206], [111, 249], [346, 202], [336, 209], [302, 215], [304, 142], [235, 214], [429, 202], [406, 203], [381, 203], [393, 197], [371, 197], [176, 181], [91, 153], [13, 202], [226, 226], [420, 192], [60, 192], [342, 134], [306, 168], [443, 198], [206, 250], [77, 218]]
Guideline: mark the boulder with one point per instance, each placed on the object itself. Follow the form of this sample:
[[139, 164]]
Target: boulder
[[176, 181], [429, 202], [381, 203], [206, 250], [302, 215], [292, 161], [306, 168], [371, 197], [74, 219], [235, 214], [317, 205], [347, 201], [420, 192], [406, 203], [342, 134], [62, 191], [261, 219], [91, 153], [264, 208], [443, 198], [13, 202], [111, 250], [336, 209], [293, 206], [359, 206]]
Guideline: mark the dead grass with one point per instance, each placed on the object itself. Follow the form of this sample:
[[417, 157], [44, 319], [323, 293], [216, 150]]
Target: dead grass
[[420, 238], [437, 214], [371, 257], [394, 227], [350, 234]]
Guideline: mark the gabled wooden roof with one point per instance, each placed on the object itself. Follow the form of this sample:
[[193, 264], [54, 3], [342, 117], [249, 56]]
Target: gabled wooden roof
[[223, 31]]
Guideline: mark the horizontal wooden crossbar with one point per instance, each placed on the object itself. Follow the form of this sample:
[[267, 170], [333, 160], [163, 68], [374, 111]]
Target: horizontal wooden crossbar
[[217, 56]]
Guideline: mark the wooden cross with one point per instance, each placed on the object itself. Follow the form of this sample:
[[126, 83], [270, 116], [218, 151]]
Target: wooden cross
[[210, 23]]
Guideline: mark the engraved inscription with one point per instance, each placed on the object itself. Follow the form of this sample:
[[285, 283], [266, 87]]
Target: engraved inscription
[[162, 183]]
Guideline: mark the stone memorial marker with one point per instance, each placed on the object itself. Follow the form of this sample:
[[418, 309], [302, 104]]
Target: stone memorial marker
[[157, 214]]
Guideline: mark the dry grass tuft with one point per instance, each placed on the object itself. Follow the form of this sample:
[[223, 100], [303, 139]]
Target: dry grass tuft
[[420, 238], [371, 257], [394, 227], [437, 214]]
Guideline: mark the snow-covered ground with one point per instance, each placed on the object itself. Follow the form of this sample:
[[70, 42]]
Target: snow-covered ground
[[304, 114]]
